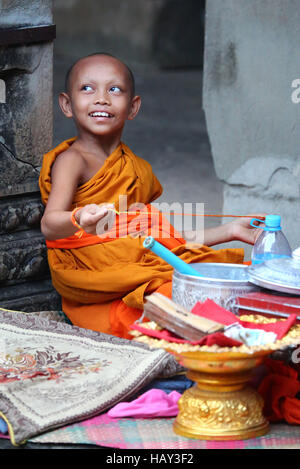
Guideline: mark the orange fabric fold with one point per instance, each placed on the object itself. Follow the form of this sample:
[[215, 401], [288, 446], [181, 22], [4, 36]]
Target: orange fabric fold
[[121, 316], [116, 271], [280, 389]]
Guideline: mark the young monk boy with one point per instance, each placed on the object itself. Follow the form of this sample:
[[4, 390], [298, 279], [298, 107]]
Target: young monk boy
[[102, 279]]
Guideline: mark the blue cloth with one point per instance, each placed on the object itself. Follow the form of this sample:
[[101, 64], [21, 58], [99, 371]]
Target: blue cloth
[[3, 426], [177, 383]]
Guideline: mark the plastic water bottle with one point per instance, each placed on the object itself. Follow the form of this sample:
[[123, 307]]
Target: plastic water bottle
[[271, 243]]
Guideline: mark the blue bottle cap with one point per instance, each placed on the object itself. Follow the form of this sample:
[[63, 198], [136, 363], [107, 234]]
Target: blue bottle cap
[[273, 221]]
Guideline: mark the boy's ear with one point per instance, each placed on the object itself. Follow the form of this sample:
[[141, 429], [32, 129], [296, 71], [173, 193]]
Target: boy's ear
[[135, 107], [65, 104]]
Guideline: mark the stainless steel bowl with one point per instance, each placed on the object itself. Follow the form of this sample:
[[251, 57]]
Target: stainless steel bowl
[[222, 283]]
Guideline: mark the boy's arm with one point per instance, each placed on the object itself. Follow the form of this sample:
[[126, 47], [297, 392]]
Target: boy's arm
[[65, 176], [237, 230]]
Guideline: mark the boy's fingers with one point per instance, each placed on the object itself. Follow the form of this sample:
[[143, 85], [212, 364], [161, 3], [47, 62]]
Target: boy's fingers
[[101, 212], [94, 218], [105, 223]]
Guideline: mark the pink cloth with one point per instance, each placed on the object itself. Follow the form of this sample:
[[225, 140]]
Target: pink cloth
[[153, 403]]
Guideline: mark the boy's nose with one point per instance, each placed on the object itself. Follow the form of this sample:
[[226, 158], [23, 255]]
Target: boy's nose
[[101, 98]]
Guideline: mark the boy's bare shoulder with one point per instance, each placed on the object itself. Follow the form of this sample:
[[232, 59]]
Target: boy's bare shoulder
[[68, 169], [69, 160], [69, 156]]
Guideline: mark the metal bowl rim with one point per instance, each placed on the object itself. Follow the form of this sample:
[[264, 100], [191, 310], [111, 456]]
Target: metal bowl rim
[[185, 277]]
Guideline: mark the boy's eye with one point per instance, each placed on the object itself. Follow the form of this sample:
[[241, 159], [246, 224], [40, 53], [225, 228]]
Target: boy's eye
[[87, 88], [115, 89]]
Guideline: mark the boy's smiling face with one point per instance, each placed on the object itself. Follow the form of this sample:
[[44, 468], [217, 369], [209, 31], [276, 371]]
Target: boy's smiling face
[[100, 96]]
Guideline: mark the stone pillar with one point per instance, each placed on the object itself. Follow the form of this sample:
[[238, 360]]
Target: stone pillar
[[26, 56], [251, 61]]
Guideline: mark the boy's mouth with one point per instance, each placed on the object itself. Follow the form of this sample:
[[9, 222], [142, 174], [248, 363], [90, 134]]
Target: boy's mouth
[[100, 114]]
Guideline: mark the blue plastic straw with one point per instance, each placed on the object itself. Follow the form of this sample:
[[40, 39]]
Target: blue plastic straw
[[175, 261]]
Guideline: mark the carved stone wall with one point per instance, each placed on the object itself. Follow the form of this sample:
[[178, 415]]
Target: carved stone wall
[[26, 59]]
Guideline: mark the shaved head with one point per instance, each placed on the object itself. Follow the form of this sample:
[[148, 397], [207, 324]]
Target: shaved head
[[68, 79]]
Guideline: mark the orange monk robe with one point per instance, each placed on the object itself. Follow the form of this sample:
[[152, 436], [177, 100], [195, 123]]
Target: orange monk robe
[[103, 280]]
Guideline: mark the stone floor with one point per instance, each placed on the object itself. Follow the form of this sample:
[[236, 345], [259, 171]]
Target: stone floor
[[170, 133]]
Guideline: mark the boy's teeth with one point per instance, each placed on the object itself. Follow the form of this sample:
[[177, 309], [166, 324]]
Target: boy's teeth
[[100, 114]]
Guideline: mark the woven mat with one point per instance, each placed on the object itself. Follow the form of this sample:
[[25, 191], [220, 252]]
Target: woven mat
[[158, 434], [53, 374]]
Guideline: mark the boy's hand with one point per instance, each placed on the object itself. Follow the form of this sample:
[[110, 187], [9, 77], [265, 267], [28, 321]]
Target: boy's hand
[[89, 216], [241, 230]]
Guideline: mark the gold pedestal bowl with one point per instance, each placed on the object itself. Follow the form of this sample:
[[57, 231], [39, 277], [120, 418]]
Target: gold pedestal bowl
[[220, 406]]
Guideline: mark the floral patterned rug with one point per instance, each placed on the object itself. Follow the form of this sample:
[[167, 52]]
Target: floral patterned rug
[[53, 374]]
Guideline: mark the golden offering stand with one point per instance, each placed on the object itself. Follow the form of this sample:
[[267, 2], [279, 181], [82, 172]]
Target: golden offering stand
[[221, 406]]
